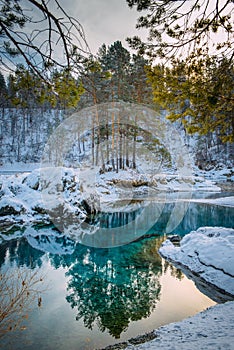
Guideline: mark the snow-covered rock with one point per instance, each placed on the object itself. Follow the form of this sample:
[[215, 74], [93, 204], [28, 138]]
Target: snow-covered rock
[[33, 180], [207, 252], [11, 206], [53, 193]]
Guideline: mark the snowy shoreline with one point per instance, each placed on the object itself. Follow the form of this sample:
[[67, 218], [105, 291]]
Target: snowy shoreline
[[63, 186], [206, 252], [204, 330], [212, 328]]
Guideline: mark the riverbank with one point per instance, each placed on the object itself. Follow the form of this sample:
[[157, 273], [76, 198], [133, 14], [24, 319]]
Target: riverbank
[[34, 196], [208, 254], [208, 330]]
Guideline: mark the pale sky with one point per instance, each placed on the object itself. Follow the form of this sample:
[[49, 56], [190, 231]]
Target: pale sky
[[104, 21]]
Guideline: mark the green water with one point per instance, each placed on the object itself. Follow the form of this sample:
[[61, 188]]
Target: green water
[[93, 297]]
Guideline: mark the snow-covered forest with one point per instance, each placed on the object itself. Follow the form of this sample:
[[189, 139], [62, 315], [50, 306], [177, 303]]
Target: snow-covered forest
[[30, 110], [116, 177]]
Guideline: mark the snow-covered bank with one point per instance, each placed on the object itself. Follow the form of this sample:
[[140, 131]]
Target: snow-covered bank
[[223, 201], [207, 252], [27, 198], [18, 167], [136, 184], [23, 196], [221, 173], [211, 329]]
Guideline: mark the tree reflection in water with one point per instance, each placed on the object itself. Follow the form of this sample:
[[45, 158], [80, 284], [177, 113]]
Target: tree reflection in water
[[109, 287], [112, 287]]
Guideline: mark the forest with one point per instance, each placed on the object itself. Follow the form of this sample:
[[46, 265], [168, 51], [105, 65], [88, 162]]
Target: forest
[[116, 167], [32, 109], [194, 91]]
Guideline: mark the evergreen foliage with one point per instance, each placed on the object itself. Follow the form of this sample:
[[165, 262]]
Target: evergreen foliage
[[199, 92], [67, 90], [26, 90], [3, 91], [175, 27], [114, 75], [193, 41]]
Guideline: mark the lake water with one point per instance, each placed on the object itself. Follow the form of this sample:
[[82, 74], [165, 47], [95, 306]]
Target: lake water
[[104, 290]]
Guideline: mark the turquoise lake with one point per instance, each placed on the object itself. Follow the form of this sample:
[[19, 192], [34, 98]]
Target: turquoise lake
[[104, 290]]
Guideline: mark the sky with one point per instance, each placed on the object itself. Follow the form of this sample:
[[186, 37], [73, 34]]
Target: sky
[[104, 21]]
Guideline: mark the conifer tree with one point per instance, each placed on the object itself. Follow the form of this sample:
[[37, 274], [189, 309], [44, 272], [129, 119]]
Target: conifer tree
[[199, 94], [178, 27], [117, 62], [193, 40], [141, 90], [3, 91], [66, 90]]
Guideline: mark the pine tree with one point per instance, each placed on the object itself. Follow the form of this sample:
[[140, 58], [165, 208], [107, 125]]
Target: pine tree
[[3, 91], [115, 76], [200, 94], [66, 90], [117, 62], [141, 90]]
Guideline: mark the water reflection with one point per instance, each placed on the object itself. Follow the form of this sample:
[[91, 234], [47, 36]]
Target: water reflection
[[197, 215], [20, 288], [206, 215], [105, 290], [109, 288], [114, 287], [118, 228], [111, 229], [20, 252]]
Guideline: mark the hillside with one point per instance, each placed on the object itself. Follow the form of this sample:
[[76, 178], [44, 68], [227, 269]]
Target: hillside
[[24, 134]]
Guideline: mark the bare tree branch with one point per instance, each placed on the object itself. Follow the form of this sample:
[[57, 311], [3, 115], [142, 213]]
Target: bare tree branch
[[18, 290], [49, 38]]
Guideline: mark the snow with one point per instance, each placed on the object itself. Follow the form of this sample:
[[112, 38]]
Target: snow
[[223, 201], [41, 190], [18, 167], [130, 184], [28, 197], [16, 194], [221, 174], [209, 253], [211, 329]]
